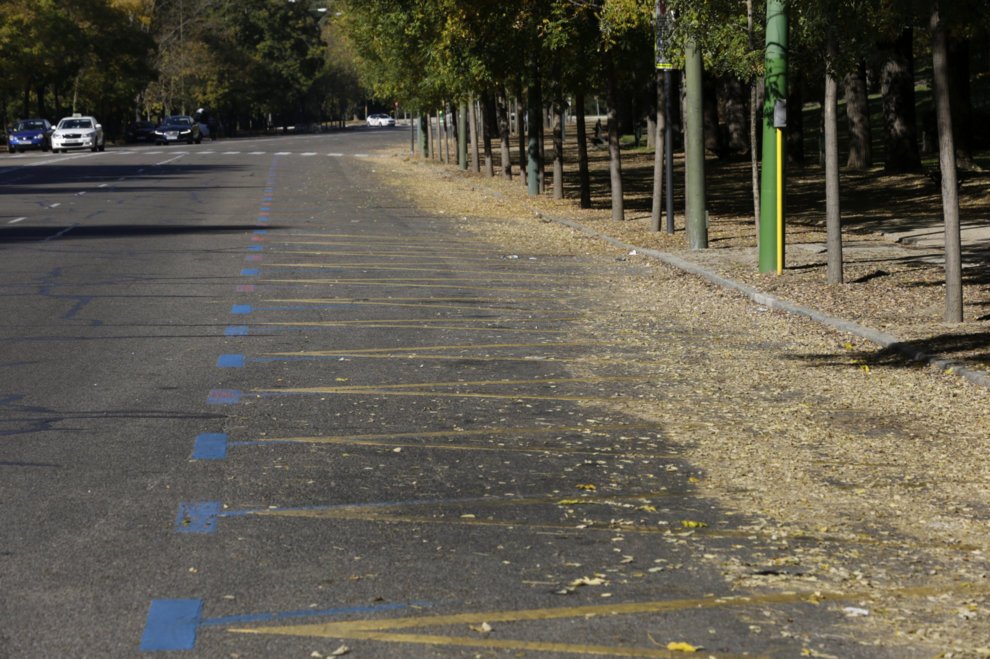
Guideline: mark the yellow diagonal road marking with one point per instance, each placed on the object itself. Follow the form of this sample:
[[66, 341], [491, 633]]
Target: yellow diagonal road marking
[[458, 346], [391, 283], [383, 630], [412, 325], [492, 274], [456, 383]]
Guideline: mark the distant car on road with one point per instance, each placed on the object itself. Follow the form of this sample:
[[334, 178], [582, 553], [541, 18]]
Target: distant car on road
[[381, 120], [78, 132], [178, 128], [140, 131], [29, 134]]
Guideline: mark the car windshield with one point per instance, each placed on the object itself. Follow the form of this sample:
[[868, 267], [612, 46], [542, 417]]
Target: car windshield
[[179, 121], [75, 123], [29, 125]]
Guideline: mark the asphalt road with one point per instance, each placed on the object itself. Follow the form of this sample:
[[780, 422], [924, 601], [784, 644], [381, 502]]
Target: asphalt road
[[254, 405]]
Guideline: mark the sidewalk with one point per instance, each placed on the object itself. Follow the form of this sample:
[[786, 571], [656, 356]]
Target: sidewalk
[[893, 263]]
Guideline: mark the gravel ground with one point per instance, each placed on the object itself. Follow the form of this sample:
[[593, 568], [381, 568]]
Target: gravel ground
[[871, 470]]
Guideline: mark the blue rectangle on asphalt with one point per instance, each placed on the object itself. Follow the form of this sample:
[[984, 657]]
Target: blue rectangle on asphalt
[[230, 361], [255, 248], [241, 309], [171, 625], [223, 397], [236, 330], [249, 272], [197, 517], [210, 446]]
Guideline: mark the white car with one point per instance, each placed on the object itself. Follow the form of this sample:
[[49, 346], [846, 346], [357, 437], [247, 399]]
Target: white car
[[78, 132], [380, 120]]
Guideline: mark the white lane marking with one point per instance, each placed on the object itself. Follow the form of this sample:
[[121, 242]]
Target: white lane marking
[[56, 204], [80, 193], [231, 153], [336, 155], [284, 153], [257, 153], [19, 219], [361, 155], [204, 153], [102, 185], [165, 162], [308, 154]]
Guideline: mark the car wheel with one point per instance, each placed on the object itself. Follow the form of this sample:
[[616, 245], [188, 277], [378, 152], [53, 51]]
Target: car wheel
[[199, 140], [103, 146]]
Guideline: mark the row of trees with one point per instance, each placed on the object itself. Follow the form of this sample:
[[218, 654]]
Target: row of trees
[[255, 63], [430, 53]]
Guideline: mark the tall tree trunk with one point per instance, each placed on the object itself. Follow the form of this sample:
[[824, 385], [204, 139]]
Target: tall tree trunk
[[521, 132], [558, 143], [488, 128], [614, 154], [833, 219], [660, 126], [858, 117], [473, 128], [584, 177], [897, 86], [755, 103], [947, 164], [534, 119], [502, 105]]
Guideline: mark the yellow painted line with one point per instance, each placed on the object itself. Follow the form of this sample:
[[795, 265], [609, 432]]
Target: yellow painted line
[[414, 303], [494, 274], [419, 326], [429, 257], [594, 610], [461, 346], [391, 283], [490, 643], [384, 630], [350, 441], [375, 246], [429, 321], [380, 238], [465, 383]]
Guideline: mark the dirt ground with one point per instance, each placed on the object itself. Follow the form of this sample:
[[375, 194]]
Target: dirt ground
[[871, 470]]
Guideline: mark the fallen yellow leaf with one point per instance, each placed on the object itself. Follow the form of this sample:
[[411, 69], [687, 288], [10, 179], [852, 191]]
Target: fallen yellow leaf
[[679, 646], [691, 524]]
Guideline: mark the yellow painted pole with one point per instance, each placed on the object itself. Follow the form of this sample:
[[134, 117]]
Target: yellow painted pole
[[780, 201]]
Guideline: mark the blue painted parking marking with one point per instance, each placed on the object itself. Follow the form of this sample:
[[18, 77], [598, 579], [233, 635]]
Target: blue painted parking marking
[[250, 272], [231, 361], [255, 248], [223, 397], [236, 330], [198, 517], [241, 309], [210, 446], [171, 625]]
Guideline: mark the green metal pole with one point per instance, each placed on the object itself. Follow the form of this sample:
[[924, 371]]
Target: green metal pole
[[694, 149], [462, 161], [776, 90]]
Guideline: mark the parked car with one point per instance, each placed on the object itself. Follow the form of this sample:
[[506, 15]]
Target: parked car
[[29, 134], [78, 132], [381, 120], [140, 131], [178, 128]]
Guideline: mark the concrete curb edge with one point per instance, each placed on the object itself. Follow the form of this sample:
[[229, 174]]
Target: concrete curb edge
[[882, 339]]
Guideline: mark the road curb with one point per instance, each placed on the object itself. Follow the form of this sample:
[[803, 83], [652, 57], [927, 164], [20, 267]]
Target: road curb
[[887, 341]]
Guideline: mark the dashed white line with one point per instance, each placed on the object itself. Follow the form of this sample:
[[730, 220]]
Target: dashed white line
[[55, 205], [336, 155], [231, 153], [15, 221], [308, 154], [257, 153]]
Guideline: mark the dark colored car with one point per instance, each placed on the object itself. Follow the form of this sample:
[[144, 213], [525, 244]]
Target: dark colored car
[[140, 131], [178, 128], [29, 134]]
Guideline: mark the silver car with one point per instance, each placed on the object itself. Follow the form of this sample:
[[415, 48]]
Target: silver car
[[78, 132]]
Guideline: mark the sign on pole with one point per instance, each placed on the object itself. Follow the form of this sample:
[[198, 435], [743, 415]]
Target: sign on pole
[[662, 30]]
